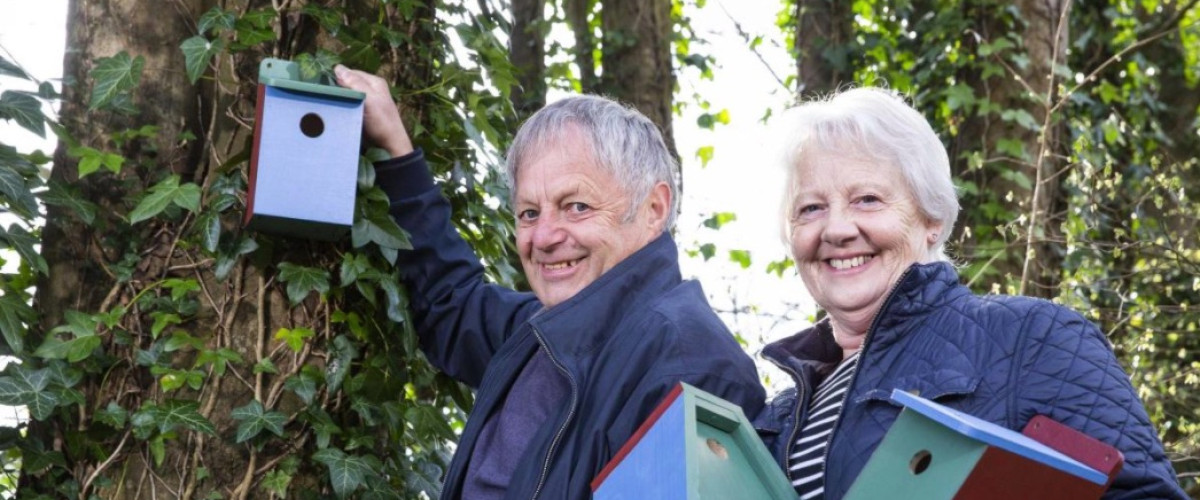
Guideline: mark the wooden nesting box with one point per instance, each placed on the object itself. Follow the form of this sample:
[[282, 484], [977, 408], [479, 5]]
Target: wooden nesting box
[[693, 446], [933, 452], [304, 162]]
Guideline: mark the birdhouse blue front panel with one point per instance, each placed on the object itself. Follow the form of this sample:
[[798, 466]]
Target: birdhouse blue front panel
[[306, 163], [656, 467]]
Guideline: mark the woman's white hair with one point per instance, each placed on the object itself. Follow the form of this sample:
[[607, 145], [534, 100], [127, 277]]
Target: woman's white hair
[[879, 125], [620, 140]]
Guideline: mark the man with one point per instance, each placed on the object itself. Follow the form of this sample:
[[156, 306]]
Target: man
[[564, 376]]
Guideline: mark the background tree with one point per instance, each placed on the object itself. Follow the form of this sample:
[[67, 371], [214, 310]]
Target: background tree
[[170, 353]]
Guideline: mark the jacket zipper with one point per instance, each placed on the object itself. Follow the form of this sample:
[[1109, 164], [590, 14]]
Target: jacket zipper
[[570, 414], [797, 417], [862, 355]]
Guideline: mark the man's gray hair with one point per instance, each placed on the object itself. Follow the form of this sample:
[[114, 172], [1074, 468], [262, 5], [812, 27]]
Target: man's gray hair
[[620, 140], [880, 125]]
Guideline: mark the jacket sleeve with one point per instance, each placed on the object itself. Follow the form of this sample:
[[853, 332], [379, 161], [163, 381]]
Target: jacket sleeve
[[461, 320], [1070, 374]]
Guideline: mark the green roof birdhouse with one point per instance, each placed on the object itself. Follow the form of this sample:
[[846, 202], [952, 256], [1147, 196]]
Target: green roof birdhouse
[[932, 452], [304, 162], [693, 446]]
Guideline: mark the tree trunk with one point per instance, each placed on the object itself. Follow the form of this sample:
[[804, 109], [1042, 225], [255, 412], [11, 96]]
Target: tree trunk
[[1022, 149], [527, 52], [824, 28], [636, 59], [238, 303]]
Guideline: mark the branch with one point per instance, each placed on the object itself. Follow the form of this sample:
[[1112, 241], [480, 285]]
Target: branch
[[746, 37]]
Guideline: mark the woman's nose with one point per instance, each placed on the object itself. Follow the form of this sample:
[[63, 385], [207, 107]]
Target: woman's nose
[[840, 228]]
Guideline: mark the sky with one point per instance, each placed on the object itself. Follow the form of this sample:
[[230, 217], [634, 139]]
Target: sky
[[742, 176]]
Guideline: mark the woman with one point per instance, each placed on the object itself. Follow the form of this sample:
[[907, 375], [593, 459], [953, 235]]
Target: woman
[[868, 207]]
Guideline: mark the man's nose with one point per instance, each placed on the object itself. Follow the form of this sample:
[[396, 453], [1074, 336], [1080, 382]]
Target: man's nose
[[548, 231]]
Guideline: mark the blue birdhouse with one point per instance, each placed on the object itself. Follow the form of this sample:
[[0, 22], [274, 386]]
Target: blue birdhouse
[[693, 446], [304, 162]]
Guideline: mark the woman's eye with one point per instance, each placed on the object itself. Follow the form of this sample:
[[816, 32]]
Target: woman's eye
[[807, 210], [527, 215], [578, 207], [869, 198]]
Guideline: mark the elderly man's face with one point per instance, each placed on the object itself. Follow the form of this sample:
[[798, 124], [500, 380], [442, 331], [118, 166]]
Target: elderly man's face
[[570, 219], [855, 228]]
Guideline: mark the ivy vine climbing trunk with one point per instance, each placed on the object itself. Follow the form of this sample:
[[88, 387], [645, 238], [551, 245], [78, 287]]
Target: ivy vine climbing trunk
[[178, 355], [1012, 147]]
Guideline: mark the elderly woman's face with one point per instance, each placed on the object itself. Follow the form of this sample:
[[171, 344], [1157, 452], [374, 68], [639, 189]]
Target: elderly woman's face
[[855, 228]]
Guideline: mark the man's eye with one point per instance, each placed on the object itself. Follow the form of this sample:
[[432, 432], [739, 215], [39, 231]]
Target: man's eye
[[578, 207], [527, 215]]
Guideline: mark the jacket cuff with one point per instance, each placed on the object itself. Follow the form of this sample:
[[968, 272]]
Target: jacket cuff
[[404, 176]]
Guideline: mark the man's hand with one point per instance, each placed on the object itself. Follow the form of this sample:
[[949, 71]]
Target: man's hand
[[381, 119]]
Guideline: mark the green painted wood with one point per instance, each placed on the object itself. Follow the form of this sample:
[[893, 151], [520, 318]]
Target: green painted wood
[[724, 456], [893, 471]]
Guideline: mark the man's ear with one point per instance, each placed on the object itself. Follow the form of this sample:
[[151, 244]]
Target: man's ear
[[658, 206]]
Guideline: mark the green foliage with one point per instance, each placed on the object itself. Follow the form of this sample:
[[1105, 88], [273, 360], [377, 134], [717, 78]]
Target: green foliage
[[331, 391]]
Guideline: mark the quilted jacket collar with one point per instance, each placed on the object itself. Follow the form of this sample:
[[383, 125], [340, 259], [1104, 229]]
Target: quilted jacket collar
[[585, 322], [921, 289]]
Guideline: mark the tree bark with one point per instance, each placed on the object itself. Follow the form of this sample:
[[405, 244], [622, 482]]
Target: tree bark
[[824, 28], [1030, 263], [527, 52], [636, 59], [110, 265]]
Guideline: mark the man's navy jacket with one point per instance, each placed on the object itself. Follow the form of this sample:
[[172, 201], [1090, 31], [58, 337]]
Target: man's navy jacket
[[622, 343]]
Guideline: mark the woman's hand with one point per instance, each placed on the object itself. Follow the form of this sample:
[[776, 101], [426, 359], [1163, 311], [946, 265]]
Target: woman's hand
[[382, 125]]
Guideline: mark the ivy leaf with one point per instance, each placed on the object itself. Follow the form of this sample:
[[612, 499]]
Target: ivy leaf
[[304, 385], [216, 18], [254, 419], [25, 109], [172, 414], [341, 355], [303, 280], [180, 340], [197, 53], [114, 415], [66, 196], [742, 257], [161, 321], [114, 76], [275, 483], [74, 350], [347, 472], [294, 337], [397, 301], [380, 229], [718, 220], [17, 238], [15, 312], [8, 68], [14, 187], [164, 194], [27, 387]]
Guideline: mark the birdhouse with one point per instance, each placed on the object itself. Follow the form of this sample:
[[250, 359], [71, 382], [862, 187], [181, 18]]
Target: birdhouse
[[693, 446], [304, 162], [933, 452]]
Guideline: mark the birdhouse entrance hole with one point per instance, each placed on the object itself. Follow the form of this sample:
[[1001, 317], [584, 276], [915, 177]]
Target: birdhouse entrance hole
[[312, 125], [920, 462]]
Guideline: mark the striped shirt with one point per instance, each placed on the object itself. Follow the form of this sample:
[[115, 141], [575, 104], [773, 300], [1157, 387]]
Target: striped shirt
[[806, 464]]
